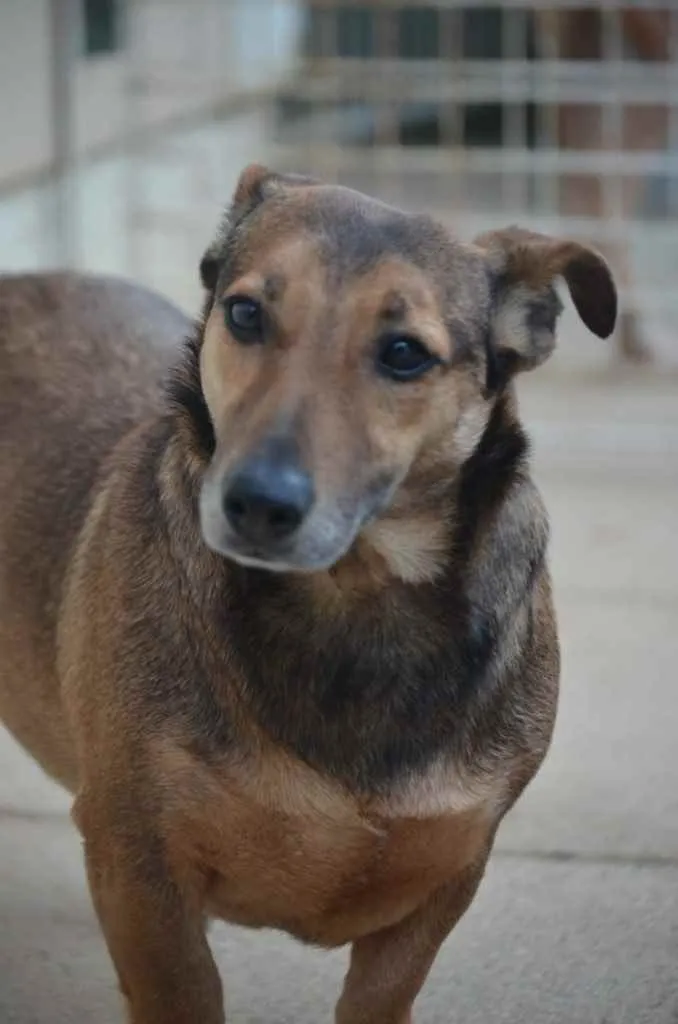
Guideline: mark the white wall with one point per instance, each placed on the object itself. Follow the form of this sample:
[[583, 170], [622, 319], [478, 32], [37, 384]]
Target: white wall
[[25, 114], [189, 56]]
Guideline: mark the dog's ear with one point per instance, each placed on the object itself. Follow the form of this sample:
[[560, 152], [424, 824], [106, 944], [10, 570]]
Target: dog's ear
[[255, 184], [249, 192], [523, 267]]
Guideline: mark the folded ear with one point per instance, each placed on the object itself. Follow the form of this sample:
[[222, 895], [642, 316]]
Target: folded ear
[[523, 267], [255, 184]]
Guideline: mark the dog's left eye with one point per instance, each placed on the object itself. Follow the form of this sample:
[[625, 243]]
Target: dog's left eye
[[403, 357], [244, 318]]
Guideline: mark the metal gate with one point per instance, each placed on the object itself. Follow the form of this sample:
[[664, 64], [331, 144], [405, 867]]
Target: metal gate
[[563, 116]]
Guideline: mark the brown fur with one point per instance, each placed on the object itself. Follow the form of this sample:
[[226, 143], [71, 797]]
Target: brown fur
[[328, 752]]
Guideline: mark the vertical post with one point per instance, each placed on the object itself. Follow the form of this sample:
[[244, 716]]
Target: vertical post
[[322, 141], [612, 216], [514, 186], [453, 104], [66, 35], [672, 147], [132, 185], [388, 109], [548, 101]]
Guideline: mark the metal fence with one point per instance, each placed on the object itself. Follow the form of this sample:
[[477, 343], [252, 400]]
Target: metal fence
[[564, 116]]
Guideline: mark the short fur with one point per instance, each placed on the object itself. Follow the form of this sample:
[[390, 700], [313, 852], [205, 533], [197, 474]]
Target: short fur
[[327, 752]]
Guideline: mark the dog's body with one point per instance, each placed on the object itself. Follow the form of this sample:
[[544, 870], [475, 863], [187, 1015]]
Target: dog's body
[[326, 752], [77, 368]]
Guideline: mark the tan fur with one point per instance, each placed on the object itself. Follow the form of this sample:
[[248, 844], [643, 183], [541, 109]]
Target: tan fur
[[413, 549], [512, 326], [342, 869]]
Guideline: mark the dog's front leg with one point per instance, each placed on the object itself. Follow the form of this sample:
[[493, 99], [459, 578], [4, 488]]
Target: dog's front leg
[[388, 968], [151, 919]]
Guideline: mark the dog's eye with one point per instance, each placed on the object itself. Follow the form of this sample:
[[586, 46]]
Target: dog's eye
[[403, 357], [244, 318]]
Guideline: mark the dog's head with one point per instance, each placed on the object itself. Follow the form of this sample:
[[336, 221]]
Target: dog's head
[[350, 358]]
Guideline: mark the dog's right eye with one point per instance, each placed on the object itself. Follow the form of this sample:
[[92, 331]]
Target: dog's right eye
[[403, 357], [244, 318]]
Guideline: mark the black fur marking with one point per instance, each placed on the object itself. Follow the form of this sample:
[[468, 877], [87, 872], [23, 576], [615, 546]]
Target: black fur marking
[[543, 313], [489, 472], [356, 234], [496, 373], [209, 271], [186, 398], [502, 363], [593, 292]]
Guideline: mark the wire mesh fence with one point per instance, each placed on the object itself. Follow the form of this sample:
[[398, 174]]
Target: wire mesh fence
[[563, 116]]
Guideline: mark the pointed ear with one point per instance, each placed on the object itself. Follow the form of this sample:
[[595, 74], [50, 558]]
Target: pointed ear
[[247, 195], [523, 267], [255, 184]]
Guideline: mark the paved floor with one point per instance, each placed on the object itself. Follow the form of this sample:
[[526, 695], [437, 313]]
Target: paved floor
[[577, 922]]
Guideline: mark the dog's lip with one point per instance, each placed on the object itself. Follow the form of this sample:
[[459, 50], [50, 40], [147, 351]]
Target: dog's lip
[[282, 560], [267, 564], [251, 557], [256, 559]]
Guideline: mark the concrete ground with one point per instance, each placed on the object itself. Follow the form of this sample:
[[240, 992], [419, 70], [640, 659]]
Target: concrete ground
[[577, 921]]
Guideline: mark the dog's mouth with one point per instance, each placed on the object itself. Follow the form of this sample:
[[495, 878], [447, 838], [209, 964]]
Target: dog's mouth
[[251, 558], [307, 554], [320, 541]]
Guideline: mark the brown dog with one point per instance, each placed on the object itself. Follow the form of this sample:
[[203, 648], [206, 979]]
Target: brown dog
[[285, 627]]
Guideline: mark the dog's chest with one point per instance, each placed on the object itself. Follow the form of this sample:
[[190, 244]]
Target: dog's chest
[[283, 848]]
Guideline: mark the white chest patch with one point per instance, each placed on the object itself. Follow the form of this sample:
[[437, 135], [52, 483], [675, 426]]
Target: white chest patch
[[443, 790]]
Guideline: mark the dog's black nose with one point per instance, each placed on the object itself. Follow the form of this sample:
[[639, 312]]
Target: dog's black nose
[[267, 500]]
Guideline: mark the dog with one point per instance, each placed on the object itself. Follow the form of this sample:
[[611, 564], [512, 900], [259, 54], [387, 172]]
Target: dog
[[274, 599]]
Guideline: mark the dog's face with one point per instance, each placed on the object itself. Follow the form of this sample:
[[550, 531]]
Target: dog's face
[[350, 358]]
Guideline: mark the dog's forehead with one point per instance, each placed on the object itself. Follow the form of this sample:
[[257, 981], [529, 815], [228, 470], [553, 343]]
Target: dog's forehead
[[344, 232]]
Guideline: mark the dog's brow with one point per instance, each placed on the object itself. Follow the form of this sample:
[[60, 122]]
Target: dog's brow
[[394, 306], [274, 287]]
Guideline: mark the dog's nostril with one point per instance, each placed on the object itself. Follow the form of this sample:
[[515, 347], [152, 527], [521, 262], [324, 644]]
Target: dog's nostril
[[235, 508], [266, 502], [284, 517]]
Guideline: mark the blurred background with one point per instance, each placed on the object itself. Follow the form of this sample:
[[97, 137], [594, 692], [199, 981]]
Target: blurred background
[[125, 122], [123, 126]]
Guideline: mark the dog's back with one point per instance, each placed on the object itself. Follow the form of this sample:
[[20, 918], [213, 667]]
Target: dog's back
[[81, 359]]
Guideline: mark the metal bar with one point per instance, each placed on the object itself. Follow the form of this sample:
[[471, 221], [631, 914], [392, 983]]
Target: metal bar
[[650, 5], [456, 183], [66, 38], [484, 161], [578, 81], [132, 141], [514, 124]]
